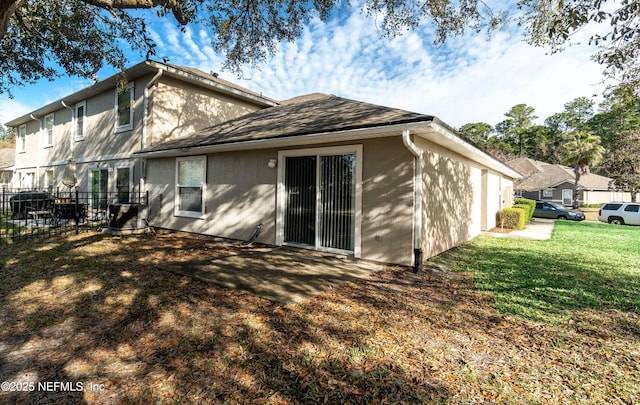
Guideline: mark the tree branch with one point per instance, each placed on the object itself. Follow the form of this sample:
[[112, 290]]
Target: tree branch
[[174, 5], [7, 10]]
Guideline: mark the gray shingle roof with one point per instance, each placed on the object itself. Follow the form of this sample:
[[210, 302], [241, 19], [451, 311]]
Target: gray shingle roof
[[304, 115], [540, 175]]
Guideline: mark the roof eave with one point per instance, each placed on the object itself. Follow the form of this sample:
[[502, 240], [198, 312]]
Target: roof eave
[[428, 129], [442, 134], [286, 141], [134, 72], [220, 87]]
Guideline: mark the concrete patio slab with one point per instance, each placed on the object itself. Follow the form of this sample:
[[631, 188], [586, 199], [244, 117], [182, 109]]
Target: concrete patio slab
[[279, 274]]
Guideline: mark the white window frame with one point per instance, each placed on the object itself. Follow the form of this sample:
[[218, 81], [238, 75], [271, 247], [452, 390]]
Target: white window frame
[[49, 132], [567, 192], [6, 177], [191, 214], [127, 127], [24, 180], [21, 138], [547, 193], [115, 183], [79, 136], [48, 183]]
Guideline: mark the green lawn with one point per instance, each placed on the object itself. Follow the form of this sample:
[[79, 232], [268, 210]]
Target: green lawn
[[583, 266], [100, 310]]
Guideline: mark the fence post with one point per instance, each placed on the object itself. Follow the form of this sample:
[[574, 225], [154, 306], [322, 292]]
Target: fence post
[[76, 210]]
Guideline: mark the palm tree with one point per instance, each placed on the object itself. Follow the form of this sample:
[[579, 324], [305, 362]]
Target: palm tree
[[581, 151]]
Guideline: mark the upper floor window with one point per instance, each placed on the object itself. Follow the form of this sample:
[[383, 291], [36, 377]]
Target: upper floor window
[[80, 113], [22, 138], [124, 108], [48, 129]]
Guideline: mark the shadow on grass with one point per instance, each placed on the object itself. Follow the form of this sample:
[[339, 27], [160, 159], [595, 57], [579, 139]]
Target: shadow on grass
[[96, 310]]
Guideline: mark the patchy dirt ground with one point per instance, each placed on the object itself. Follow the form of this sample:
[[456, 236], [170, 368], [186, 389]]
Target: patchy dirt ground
[[98, 311]]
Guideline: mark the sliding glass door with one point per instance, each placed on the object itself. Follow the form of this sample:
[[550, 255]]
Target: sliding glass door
[[337, 201], [300, 212], [320, 202]]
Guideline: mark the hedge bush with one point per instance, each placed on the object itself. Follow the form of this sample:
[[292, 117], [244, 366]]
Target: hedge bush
[[528, 214], [512, 218], [531, 206]]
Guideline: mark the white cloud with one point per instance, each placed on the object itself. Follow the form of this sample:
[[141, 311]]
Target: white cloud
[[470, 79], [473, 78], [10, 109]]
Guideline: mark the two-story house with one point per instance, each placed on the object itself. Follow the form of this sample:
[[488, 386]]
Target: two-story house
[[102, 125], [317, 171]]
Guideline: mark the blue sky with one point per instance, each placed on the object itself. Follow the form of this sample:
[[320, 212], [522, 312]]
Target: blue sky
[[469, 79]]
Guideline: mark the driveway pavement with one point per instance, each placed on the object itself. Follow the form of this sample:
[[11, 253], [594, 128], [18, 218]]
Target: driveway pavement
[[536, 229], [277, 273]]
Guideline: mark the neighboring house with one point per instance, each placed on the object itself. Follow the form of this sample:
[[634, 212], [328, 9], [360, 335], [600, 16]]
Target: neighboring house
[[330, 174], [7, 160], [553, 182], [102, 125]]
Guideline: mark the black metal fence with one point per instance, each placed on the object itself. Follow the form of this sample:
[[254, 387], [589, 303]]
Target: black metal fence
[[33, 213]]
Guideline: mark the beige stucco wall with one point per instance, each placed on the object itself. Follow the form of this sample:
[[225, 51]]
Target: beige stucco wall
[[460, 197], [451, 196], [101, 140], [387, 201], [101, 145], [241, 193], [175, 108], [499, 194], [179, 109], [601, 197], [29, 156]]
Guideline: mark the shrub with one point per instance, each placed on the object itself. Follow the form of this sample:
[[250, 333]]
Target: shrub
[[512, 218], [531, 206], [528, 214], [591, 205]]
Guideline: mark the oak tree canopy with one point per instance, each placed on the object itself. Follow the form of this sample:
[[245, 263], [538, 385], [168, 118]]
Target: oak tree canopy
[[47, 38]]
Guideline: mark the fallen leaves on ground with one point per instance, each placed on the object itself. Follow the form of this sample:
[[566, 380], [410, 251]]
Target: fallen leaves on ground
[[96, 309]]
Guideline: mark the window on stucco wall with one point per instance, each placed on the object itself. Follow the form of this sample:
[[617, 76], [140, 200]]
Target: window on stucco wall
[[190, 186]]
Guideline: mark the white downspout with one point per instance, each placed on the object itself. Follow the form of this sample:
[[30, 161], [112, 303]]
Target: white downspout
[[37, 179], [417, 189]]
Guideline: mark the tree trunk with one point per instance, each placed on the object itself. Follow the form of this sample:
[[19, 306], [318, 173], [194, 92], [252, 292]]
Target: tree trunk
[[576, 192]]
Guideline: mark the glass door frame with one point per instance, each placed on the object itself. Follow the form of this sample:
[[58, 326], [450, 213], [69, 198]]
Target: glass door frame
[[281, 196]]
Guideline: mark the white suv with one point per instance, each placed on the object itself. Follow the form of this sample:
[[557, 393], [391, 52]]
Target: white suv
[[620, 213]]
